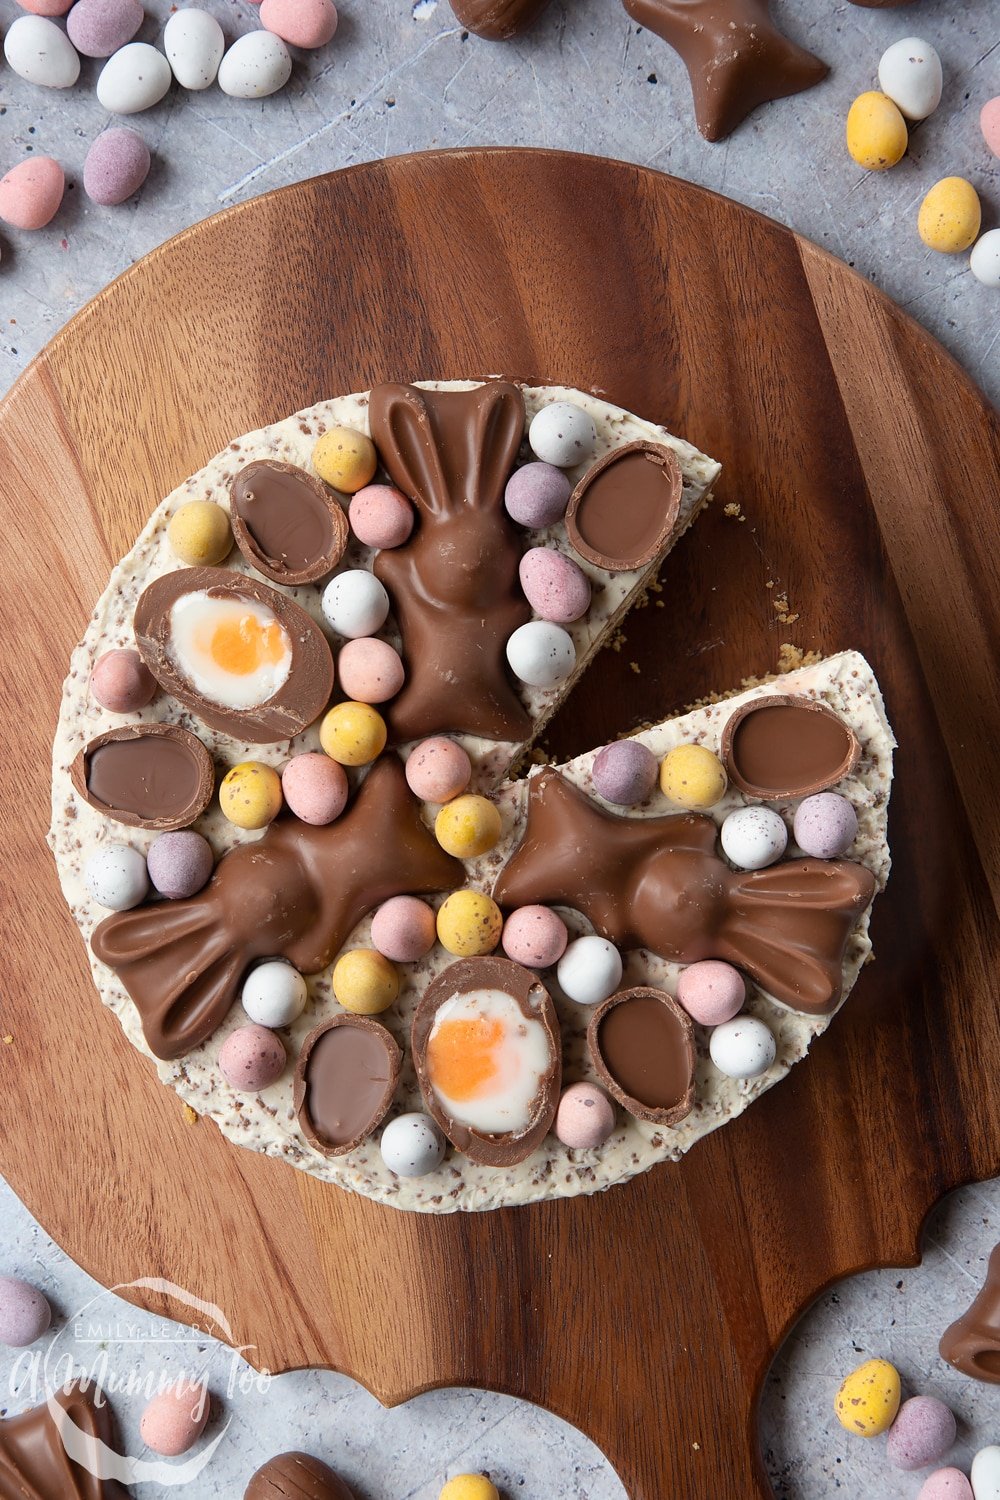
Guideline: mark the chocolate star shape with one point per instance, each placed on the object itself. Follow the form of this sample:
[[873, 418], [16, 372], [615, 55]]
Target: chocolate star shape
[[735, 56], [657, 883], [295, 893], [498, 20], [34, 1463]]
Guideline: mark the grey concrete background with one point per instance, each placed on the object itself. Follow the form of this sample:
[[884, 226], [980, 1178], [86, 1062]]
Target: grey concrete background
[[400, 76]]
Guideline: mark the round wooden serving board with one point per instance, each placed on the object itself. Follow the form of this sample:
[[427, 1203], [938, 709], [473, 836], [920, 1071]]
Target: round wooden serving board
[[866, 470]]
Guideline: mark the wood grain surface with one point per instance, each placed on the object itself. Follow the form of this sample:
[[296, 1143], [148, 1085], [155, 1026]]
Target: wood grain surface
[[866, 469]]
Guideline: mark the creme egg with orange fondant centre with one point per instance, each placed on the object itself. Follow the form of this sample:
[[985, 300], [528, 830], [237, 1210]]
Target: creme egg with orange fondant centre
[[233, 652], [486, 1061]]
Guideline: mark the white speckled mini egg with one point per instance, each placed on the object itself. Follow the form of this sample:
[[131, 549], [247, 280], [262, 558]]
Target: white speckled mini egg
[[412, 1145], [590, 970], [541, 654], [355, 603], [135, 78], [985, 259], [40, 52], [274, 994], [562, 434], [910, 75], [256, 65], [743, 1047], [117, 877], [754, 837], [194, 44], [985, 1473]]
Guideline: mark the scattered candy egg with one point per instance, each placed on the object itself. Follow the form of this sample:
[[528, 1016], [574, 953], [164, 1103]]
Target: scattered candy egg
[[868, 1399], [251, 1058], [175, 1419], [468, 826], [199, 534], [99, 27], [257, 64], [535, 936], [345, 459], [711, 992], [590, 970], [39, 52], [133, 79], [437, 770], [986, 1473], [537, 495], [910, 75], [692, 776], [541, 654], [355, 603], [562, 434], [469, 1487], [412, 1145], [250, 794], [371, 671], [381, 516], [180, 864], [989, 124], [116, 166], [950, 216], [985, 259], [554, 585], [946, 1484], [31, 192], [315, 787], [404, 929], [231, 648], [353, 734], [469, 924], [121, 682], [922, 1433], [743, 1047], [301, 23], [364, 982], [24, 1313], [194, 43], [585, 1117], [274, 994], [825, 825], [753, 837], [624, 772], [116, 876], [876, 132], [46, 7]]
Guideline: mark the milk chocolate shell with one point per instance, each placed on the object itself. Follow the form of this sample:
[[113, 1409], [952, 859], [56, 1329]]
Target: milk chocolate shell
[[156, 776], [298, 702], [642, 1045], [787, 746], [296, 1476], [345, 1078], [287, 523], [624, 508], [526, 989]]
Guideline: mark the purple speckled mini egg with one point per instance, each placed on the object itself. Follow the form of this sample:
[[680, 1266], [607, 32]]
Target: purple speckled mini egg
[[537, 495], [251, 1058], [24, 1313], [554, 585], [585, 1117], [535, 936], [922, 1433], [121, 682], [946, 1484], [711, 992], [117, 165], [438, 770], [315, 787], [403, 929], [826, 825], [179, 864], [99, 27], [624, 773]]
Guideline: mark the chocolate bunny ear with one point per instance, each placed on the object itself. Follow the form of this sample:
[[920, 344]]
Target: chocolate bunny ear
[[448, 449]]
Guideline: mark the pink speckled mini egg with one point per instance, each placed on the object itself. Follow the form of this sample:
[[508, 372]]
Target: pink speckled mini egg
[[175, 1419], [438, 770], [554, 585], [46, 7], [381, 516], [301, 23], [625, 773], [31, 192], [315, 787], [121, 682], [711, 992], [370, 670], [403, 929], [251, 1058], [585, 1117], [989, 123], [99, 27], [24, 1313], [946, 1484], [922, 1433], [116, 166], [535, 936]]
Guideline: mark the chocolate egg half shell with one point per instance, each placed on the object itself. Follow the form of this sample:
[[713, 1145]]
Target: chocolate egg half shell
[[157, 776], [787, 745], [642, 1045], [242, 656], [296, 1476], [624, 508], [487, 1050], [286, 522], [345, 1078]]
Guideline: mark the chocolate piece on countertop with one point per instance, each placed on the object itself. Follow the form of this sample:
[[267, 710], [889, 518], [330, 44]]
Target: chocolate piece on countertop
[[623, 510], [787, 746], [156, 776], [296, 1476], [642, 1045], [294, 893], [345, 1078], [658, 883], [972, 1343], [498, 20], [34, 1463], [454, 585], [735, 56], [286, 522]]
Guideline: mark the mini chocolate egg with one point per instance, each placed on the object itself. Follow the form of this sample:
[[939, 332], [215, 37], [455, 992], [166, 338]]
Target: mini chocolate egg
[[910, 75], [40, 52], [404, 929], [180, 863], [922, 1433], [24, 1313], [946, 1484], [31, 192], [984, 262], [46, 7], [642, 1045], [585, 1117], [825, 825], [345, 459], [412, 1145], [251, 1058], [250, 795], [989, 124], [469, 1487], [99, 27], [876, 132], [562, 434], [469, 924], [693, 776], [381, 516], [371, 671], [554, 585], [274, 994], [296, 1476], [468, 826], [315, 787], [624, 772], [743, 1048], [868, 1399], [353, 734], [437, 770], [133, 79], [541, 654], [116, 166], [355, 603], [590, 970], [301, 23], [364, 982], [535, 936], [950, 216], [711, 991], [257, 65], [121, 682], [116, 876], [537, 495], [986, 1474], [194, 43], [157, 776], [199, 534], [345, 1078], [753, 837], [175, 1419]]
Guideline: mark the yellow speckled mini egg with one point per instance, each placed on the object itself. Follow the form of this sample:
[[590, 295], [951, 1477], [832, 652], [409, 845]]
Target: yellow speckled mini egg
[[950, 216], [467, 826], [250, 794], [199, 534], [868, 1400], [353, 734], [469, 1487], [692, 776], [364, 982], [876, 132], [469, 924], [345, 459]]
